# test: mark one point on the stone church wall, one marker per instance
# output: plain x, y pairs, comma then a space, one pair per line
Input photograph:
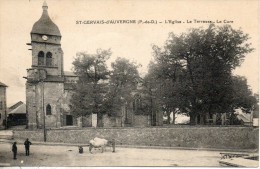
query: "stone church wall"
87, 121
54, 91
109, 121
190, 137
55, 69
141, 121
31, 105
159, 119
34, 101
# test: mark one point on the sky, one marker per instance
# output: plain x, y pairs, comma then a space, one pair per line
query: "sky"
133, 41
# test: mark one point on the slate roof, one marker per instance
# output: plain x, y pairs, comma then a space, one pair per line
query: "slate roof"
21, 109
16, 105
45, 25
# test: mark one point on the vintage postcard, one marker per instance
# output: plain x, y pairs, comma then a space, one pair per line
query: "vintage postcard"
129, 83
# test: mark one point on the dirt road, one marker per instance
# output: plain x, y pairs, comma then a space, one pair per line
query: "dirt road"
45, 155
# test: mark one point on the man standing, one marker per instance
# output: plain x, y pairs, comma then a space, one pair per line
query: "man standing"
114, 145
14, 150
27, 144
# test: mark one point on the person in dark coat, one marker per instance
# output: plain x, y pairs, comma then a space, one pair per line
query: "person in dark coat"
14, 150
80, 149
27, 144
113, 143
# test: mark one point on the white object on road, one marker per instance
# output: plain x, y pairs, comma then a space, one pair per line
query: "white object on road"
98, 143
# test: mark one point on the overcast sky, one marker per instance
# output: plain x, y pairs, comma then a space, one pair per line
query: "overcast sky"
132, 41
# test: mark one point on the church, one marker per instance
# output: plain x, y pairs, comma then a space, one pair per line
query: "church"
48, 86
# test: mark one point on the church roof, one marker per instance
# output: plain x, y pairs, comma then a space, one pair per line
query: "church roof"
67, 73
45, 25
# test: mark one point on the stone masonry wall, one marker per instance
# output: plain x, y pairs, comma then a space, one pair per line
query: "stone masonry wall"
53, 92
31, 102
3, 103
141, 121
57, 56
196, 137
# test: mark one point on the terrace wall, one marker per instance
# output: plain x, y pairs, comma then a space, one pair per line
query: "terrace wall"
195, 137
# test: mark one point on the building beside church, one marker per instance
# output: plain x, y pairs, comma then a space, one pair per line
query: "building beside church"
17, 114
48, 86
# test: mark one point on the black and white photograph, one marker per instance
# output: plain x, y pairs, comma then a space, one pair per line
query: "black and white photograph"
128, 83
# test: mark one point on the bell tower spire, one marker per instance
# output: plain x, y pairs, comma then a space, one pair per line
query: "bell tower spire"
45, 6
46, 47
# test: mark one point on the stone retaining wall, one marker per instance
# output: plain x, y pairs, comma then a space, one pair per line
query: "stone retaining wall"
196, 137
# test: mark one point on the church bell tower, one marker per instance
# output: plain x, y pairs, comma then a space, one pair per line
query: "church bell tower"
46, 47
45, 78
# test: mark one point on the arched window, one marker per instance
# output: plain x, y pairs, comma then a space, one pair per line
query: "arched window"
41, 58
137, 103
49, 59
48, 109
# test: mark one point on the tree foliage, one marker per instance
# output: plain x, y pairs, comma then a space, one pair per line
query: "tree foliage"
198, 66
242, 97
124, 79
91, 88
191, 73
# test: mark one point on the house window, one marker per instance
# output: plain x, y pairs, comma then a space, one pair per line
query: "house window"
41, 58
48, 109
1, 105
49, 59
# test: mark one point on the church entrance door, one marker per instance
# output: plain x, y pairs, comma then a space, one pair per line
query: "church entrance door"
69, 120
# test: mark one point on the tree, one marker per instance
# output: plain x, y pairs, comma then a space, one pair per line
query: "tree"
242, 96
164, 80
123, 81
91, 89
149, 90
206, 57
